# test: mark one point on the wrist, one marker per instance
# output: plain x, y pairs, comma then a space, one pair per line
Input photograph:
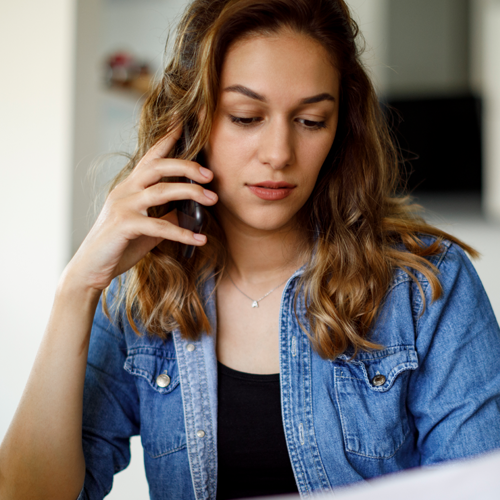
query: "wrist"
71, 285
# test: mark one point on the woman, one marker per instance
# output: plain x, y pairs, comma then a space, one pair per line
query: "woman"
322, 334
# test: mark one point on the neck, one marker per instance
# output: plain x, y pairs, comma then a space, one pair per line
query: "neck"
260, 257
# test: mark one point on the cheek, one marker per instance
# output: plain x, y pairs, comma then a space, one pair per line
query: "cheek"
219, 146
314, 155
227, 154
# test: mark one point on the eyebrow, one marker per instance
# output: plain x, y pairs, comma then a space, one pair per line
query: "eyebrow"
240, 89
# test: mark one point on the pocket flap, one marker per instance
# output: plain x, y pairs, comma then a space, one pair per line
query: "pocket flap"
379, 369
150, 363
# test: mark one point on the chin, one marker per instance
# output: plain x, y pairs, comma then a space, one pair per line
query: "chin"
267, 221
261, 218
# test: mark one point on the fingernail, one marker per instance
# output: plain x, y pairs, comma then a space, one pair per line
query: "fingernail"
199, 237
205, 172
209, 194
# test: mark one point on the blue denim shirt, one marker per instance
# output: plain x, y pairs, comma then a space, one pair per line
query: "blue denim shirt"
432, 394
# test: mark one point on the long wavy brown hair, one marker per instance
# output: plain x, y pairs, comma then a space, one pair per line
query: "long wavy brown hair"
358, 229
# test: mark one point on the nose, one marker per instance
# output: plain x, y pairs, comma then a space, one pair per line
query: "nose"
276, 147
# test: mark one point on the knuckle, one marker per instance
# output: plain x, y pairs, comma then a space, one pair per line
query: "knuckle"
161, 191
154, 164
118, 217
150, 196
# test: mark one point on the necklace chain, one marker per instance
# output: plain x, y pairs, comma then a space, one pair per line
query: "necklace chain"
255, 302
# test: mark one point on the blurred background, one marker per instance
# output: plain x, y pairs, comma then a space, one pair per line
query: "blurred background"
73, 76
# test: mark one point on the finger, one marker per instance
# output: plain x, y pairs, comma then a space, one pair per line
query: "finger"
160, 228
164, 192
159, 168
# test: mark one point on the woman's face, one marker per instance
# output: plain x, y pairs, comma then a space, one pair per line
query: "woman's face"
274, 126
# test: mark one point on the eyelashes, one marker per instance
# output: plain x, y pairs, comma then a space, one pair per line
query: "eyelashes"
249, 122
312, 125
244, 122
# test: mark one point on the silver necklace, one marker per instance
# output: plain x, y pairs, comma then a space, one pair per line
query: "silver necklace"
255, 302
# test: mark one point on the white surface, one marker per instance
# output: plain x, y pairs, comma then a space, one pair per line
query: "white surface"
36, 103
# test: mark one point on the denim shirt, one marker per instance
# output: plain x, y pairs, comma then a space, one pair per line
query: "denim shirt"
431, 394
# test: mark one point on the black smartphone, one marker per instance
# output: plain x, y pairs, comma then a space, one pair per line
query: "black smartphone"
189, 213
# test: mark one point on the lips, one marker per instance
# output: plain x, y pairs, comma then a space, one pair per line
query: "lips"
273, 185
271, 191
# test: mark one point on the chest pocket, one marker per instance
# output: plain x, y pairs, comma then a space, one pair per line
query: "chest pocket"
158, 385
371, 394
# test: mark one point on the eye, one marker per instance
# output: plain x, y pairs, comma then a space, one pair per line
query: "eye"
244, 122
312, 125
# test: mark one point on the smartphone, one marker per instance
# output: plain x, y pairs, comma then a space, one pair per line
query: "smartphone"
189, 213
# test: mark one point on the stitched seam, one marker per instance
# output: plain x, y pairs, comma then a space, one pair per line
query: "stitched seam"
298, 471
313, 445
350, 378
109, 330
390, 378
148, 376
188, 417
343, 424
342, 420
151, 351
401, 280
381, 457
391, 353
297, 454
425, 283
167, 452
374, 356
206, 404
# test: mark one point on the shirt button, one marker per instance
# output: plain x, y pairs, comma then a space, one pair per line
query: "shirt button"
378, 380
190, 347
200, 433
163, 380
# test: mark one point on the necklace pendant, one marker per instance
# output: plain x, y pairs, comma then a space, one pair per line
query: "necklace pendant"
255, 304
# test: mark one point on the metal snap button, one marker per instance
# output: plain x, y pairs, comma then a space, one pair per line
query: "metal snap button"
163, 380
190, 347
200, 433
378, 380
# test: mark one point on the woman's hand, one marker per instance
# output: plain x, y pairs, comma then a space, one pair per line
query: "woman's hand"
123, 233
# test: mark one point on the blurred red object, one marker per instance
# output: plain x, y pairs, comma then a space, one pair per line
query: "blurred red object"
125, 70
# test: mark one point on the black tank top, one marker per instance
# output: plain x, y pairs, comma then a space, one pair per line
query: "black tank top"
253, 457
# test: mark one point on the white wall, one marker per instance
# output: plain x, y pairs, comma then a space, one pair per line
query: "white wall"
36, 93
486, 77
106, 119
428, 47
372, 17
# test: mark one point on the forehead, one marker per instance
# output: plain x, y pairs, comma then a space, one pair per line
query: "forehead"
285, 63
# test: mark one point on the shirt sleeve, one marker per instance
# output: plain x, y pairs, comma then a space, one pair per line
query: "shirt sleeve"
110, 407
455, 392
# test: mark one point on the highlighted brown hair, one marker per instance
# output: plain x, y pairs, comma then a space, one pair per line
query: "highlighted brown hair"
362, 230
